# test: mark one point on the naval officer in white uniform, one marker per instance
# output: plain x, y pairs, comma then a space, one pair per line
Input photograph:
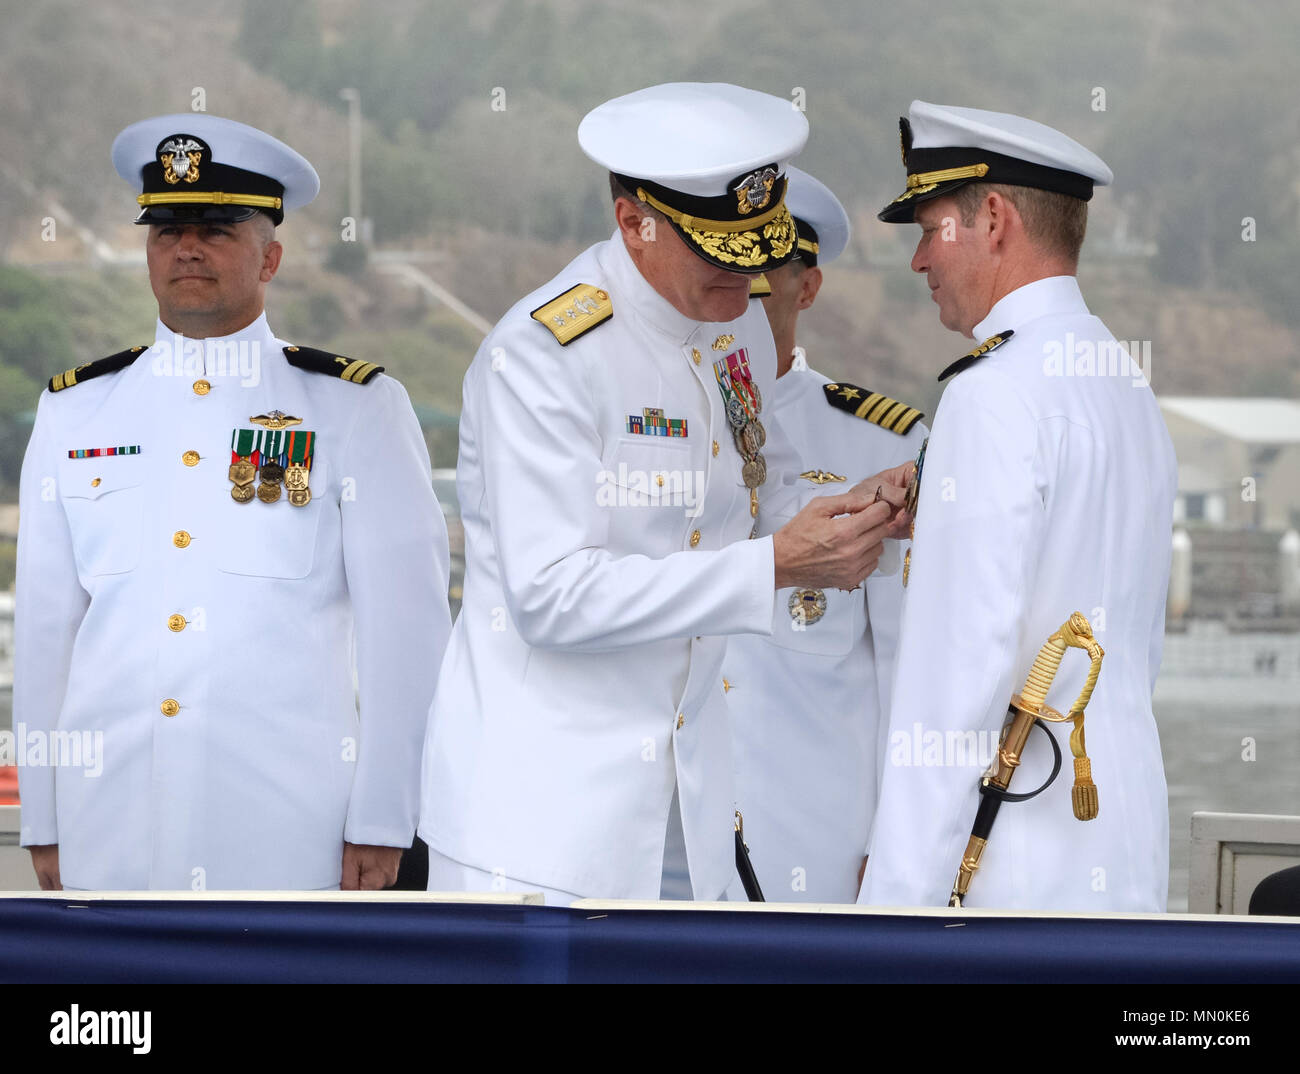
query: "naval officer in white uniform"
809, 701
1047, 489
612, 472
215, 531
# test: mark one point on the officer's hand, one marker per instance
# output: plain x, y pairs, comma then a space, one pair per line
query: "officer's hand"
890, 486
45, 860
369, 868
835, 541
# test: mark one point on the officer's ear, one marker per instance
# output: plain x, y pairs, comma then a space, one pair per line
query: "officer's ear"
271, 255
997, 219
637, 223
810, 282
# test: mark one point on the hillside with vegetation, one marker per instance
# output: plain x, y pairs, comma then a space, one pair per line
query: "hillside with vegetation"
472, 173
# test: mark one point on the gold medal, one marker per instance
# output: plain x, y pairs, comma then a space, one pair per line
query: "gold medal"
754, 472
807, 605
272, 471
296, 477
242, 493
300, 497
750, 438
242, 472
268, 492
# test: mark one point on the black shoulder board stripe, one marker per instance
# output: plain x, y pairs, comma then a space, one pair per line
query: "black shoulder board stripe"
873, 407
332, 365
577, 311
970, 358
112, 364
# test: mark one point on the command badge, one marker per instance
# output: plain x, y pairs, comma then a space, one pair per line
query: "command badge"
807, 605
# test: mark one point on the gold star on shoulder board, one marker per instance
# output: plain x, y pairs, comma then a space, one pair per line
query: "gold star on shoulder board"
849, 393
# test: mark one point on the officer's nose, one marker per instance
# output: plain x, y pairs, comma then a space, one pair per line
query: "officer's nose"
920, 262
189, 247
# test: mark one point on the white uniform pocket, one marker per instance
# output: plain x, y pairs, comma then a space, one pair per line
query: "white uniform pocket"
839, 626
103, 499
654, 471
275, 540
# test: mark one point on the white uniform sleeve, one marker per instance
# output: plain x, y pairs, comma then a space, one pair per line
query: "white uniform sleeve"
978, 535
535, 418
396, 559
49, 607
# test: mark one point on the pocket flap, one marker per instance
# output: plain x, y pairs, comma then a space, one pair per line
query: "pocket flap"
90, 479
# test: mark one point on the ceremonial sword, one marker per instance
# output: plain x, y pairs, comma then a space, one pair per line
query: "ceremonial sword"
1026, 711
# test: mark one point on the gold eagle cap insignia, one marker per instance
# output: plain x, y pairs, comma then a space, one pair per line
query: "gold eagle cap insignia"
755, 190
180, 157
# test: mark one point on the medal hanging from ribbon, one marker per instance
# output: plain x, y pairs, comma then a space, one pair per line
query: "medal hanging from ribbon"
743, 403
299, 445
272, 469
245, 456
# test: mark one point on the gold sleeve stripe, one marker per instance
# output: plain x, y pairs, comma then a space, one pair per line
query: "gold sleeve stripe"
893, 414
357, 371
905, 421
888, 413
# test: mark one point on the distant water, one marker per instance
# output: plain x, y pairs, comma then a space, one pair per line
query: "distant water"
1215, 690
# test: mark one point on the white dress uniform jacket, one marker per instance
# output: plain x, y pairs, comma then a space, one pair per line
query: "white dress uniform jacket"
1048, 488
808, 703
265, 768
584, 675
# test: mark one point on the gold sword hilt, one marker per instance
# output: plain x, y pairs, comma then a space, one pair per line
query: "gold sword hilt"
1075, 633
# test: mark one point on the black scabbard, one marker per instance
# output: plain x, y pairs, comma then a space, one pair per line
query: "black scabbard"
746, 870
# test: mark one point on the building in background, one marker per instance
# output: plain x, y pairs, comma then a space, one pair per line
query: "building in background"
1238, 461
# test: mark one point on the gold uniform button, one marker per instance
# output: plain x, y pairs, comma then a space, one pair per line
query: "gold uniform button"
176, 622
726, 686
695, 539
170, 707
681, 719
696, 356
181, 539
190, 458
202, 387
95, 484
660, 479
715, 449
294, 350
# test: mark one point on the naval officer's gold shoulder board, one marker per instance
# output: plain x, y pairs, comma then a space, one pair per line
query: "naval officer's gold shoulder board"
873, 407
578, 310
971, 357
112, 364
332, 365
